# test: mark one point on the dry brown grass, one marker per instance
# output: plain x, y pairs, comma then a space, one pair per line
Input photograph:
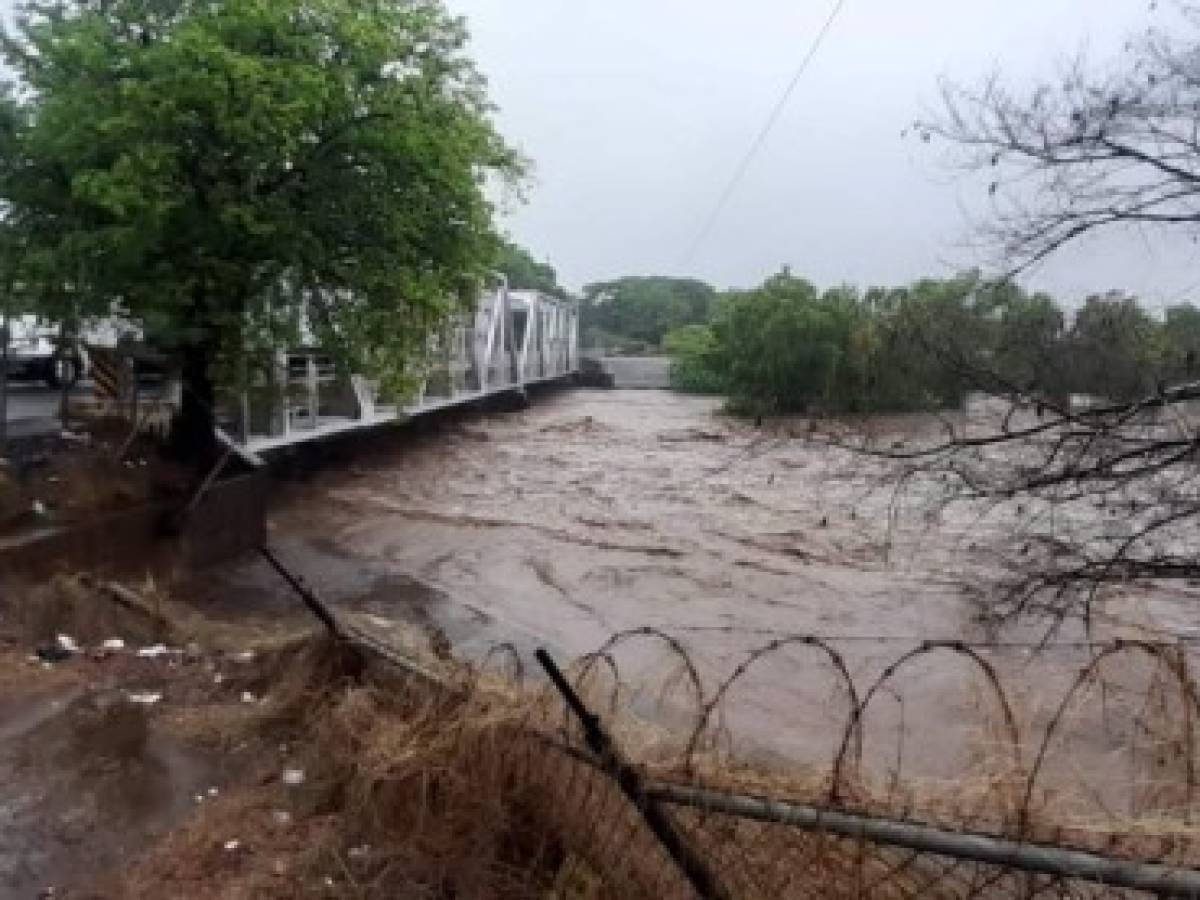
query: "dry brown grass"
466, 793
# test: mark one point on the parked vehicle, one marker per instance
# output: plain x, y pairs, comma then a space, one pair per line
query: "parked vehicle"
37, 353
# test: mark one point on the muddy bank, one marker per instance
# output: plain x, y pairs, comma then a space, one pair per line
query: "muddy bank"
596, 512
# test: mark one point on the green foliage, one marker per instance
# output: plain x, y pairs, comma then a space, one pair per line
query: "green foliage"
1180, 345
1114, 349
696, 364
787, 347
213, 168
642, 310
526, 273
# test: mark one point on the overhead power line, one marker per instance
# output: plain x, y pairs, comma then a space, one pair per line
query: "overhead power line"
761, 139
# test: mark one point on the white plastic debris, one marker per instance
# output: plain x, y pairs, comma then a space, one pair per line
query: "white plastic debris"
153, 652
293, 777
245, 656
359, 852
218, 678
282, 817
147, 698
38, 507
231, 846
74, 436
248, 697
68, 643
199, 798
113, 644
212, 791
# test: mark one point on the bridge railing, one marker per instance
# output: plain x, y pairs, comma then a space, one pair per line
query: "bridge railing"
511, 339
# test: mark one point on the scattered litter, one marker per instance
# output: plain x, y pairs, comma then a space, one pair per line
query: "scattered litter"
153, 651
199, 798
293, 777
329, 882
248, 697
148, 698
52, 653
53, 479
359, 852
218, 678
279, 868
379, 621
245, 656
231, 846
38, 507
212, 791
113, 644
68, 643
74, 436
282, 817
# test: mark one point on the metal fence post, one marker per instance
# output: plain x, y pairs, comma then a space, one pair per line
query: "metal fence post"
630, 782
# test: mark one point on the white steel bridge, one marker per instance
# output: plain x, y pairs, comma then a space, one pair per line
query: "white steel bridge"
512, 340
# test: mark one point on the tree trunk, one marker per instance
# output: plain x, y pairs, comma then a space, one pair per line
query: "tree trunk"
5, 337
193, 436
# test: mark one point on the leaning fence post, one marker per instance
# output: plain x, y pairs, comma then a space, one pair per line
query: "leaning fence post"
630, 783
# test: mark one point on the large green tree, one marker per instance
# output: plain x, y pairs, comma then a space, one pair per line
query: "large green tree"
524, 273
643, 309
217, 169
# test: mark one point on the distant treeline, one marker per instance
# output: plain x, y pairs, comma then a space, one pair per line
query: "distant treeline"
788, 347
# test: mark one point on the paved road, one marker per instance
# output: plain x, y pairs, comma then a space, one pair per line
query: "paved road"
33, 409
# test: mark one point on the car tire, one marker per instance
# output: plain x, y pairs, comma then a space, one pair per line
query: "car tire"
63, 370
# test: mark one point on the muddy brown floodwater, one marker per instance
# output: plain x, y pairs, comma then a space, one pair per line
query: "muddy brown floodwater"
594, 512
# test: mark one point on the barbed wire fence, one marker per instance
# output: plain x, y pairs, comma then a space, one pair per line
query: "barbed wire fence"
675, 810
630, 772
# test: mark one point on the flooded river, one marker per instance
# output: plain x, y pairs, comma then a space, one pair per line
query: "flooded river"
594, 512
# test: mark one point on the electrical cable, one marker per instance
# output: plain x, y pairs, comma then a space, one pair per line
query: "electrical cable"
763, 134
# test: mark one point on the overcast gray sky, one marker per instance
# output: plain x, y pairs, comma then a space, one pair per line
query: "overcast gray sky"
636, 113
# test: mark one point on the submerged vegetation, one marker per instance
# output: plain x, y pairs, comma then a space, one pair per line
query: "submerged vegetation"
787, 346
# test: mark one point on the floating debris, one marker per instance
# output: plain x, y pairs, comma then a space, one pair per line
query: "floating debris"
293, 777
154, 651
52, 653
68, 643
113, 644
146, 698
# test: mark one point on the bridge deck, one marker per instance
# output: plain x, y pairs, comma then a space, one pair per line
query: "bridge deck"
512, 339
331, 426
